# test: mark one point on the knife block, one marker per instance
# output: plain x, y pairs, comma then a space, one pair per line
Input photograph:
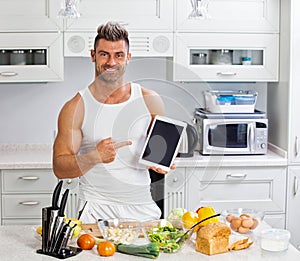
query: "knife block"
63, 253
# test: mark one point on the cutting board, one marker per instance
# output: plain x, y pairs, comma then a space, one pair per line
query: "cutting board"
94, 230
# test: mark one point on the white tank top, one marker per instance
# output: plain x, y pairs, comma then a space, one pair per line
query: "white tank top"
123, 181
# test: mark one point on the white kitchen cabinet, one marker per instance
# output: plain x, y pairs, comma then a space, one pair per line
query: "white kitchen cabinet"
293, 203
30, 16
242, 16
260, 188
136, 15
174, 191
142, 44
263, 49
294, 79
24, 193
31, 57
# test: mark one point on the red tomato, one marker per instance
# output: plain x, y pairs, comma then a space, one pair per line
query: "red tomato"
106, 248
86, 241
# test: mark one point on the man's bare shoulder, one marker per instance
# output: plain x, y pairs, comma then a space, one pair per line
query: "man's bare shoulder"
74, 104
148, 92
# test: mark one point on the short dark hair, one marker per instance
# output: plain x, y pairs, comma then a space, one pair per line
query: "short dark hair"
111, 31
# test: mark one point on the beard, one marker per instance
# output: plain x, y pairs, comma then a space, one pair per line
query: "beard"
110, 76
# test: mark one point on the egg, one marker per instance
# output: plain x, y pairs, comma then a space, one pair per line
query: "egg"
243, 230
244, 216
235, 223
247, 222
229, 218
255, 223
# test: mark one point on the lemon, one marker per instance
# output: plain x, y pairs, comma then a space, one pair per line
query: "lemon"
39, 230
77, 228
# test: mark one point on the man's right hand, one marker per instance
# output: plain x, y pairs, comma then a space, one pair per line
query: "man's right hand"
106, 149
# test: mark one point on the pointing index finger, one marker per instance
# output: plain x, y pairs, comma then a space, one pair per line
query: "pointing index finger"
121, 144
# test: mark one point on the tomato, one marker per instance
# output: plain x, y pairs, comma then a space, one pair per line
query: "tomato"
86, 241
106, 248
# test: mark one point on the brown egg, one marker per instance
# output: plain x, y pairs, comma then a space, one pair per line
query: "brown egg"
243, 230
243, 216
229, 218
235, 223
255, 223
247, 222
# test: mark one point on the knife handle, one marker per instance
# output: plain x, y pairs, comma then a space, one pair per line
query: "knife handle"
56, 194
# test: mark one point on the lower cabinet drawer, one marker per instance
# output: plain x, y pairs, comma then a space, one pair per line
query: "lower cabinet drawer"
24, 205
22, 221
260, 188
28, 181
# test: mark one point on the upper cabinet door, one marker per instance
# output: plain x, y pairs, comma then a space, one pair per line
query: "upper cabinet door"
136, 15
226, 57
257, 16
31, 57
30, 15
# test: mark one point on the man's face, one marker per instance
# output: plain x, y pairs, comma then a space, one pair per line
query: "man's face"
110, 60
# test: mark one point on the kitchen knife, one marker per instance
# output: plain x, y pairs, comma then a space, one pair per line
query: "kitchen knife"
54, 212
60, 219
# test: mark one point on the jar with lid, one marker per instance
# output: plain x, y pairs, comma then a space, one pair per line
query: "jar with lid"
199, 58
29, 57
222, 56
39, 57
4, 57
18, 57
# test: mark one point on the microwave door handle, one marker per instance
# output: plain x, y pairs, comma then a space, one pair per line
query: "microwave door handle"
251, 137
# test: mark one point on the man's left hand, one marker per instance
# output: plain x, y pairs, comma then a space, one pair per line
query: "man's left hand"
161, 171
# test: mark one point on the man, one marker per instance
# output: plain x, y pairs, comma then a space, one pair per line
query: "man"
101, 132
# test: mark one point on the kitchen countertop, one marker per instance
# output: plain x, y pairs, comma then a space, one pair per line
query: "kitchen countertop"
21, 242
21, 156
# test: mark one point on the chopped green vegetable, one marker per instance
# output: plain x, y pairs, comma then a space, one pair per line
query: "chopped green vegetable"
150, 250
166, 238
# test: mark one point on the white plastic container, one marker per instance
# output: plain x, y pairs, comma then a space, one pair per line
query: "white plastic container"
275, 239
230, 101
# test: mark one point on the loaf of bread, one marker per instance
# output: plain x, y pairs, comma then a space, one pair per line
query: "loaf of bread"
213, 239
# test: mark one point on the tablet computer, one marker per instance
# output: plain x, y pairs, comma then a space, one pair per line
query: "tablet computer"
162, 142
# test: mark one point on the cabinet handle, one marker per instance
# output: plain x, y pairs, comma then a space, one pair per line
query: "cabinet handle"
158, 8
226, 73
29, 178
8, 74
29, 203
297, 146
295, 186
236, 176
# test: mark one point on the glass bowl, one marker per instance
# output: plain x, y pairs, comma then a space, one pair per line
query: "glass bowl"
120, 230
165, 234
242, 221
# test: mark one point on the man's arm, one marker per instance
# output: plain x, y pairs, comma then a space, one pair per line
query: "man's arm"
66, 161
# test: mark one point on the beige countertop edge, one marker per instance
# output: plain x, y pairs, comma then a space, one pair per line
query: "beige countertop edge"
27, 156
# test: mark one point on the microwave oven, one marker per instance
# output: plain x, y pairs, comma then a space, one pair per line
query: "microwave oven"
232, 136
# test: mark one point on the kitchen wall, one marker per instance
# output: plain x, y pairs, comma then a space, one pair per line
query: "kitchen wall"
28, 112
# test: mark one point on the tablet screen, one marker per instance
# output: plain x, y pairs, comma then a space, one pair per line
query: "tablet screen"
163, 142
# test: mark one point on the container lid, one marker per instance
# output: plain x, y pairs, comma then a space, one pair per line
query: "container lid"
276, 234
246, 58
